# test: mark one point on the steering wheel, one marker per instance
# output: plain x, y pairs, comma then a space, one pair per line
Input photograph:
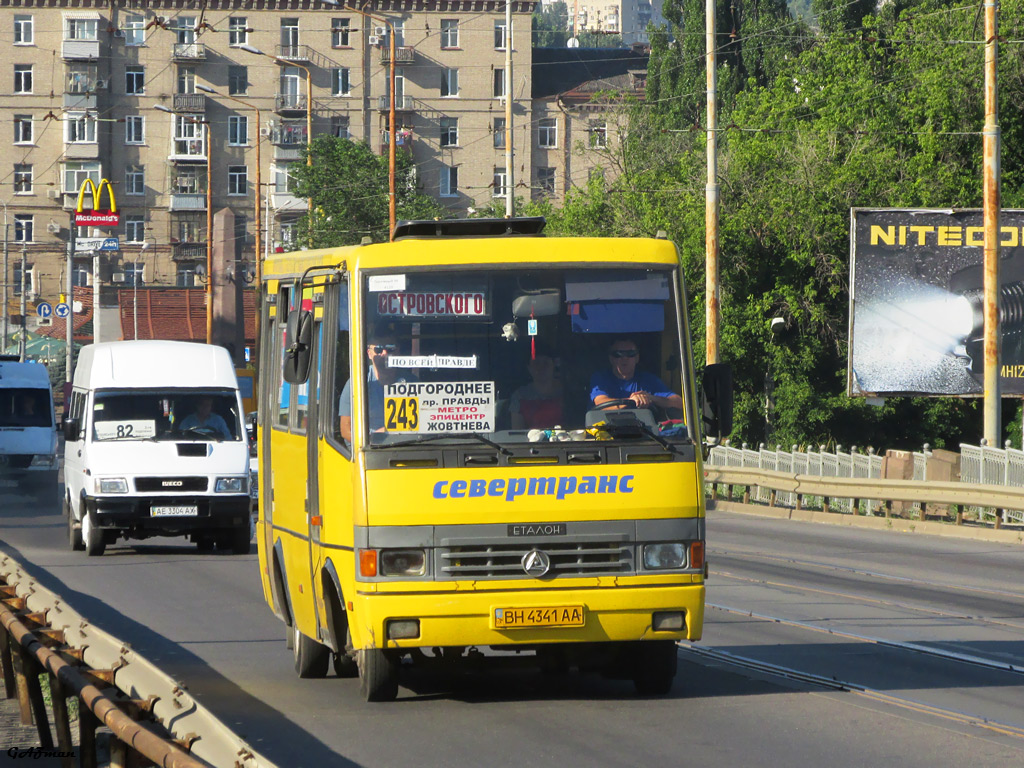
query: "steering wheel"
618, 402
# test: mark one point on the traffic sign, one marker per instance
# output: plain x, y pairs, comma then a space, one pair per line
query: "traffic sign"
44, 309
110, 244
62, 309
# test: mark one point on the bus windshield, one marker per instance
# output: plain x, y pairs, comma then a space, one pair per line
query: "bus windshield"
25, 407
530, 354
172, 414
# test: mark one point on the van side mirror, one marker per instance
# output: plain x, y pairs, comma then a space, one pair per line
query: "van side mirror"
298, 352
717, 406
72, 429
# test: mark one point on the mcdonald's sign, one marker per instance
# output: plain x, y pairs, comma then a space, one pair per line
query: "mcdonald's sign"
96, 216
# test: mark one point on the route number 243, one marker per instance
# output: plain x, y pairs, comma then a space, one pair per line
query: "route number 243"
401, 414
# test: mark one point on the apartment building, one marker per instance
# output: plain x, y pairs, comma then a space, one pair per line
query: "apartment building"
626, 18
192, 107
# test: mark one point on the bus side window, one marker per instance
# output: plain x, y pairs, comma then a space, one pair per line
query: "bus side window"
341, 407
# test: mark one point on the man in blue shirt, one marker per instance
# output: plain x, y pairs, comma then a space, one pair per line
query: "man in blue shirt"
204, 419
380, 346
624, 382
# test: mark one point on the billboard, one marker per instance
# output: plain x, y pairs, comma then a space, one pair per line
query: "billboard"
916, 302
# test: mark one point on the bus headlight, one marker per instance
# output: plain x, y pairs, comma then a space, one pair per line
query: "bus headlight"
113, 485
230, 485
663, 556
403, 562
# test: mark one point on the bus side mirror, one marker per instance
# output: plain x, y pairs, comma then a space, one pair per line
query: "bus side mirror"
298, 353
72, 429
717, 407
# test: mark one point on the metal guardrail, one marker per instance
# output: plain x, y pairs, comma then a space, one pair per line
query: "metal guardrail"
147, 712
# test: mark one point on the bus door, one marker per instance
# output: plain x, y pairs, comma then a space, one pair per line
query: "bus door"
313, 516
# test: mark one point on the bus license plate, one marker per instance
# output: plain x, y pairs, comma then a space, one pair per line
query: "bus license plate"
550, 616
176, 510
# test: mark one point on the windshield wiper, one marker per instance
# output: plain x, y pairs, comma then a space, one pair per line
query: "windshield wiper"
430, 438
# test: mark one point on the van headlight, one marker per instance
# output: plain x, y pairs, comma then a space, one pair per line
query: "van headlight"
230, 485
662, 556
43, 460
113, 485
403, 562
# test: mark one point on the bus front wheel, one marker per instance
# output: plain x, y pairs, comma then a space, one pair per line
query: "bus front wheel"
378, 675
654, 667
311, 658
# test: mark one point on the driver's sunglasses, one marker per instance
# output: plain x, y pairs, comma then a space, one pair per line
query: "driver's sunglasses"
623, 353
378, 348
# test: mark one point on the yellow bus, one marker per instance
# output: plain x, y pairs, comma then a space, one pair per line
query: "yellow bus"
479, 437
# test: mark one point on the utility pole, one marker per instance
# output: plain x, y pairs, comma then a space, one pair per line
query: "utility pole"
21, 345
69, 284
712, 309
96, 282
990, 195
509, 159
4, 280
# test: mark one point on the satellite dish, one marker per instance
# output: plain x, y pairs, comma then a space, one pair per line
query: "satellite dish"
572, 42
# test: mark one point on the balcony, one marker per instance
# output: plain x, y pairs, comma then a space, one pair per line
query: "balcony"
289, 102
295, 53
189, 102
82, 150
187, 201
188, 150
404, 54
404, 141
188, 52
285, 202
80, 50
80, 101
288, 135
188, 252
402, 103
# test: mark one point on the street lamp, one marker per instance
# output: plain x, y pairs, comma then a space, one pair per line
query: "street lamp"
209, 217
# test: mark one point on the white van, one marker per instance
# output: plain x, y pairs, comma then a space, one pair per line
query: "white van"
154, 446
28, 432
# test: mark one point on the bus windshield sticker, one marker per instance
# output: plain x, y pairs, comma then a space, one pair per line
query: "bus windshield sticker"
431, 361
439, 407
386, 283
125, 430
433, 304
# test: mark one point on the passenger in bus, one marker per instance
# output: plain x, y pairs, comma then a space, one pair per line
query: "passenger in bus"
204, 419
622, 380
538, 405
380, 345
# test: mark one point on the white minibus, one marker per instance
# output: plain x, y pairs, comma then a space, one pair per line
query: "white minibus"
28, 433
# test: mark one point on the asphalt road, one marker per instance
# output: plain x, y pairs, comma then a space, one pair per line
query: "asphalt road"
803, 597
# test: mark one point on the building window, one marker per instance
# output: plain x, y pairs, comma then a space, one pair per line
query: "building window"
135, 229
449, 33
449, 181
134, 29
134, 80
186, 277
23, 30
499, 35
22, 179
80, 274
238, 80
134, 180
189, 136
340, 85
339, 33
135, 129
283, 182
184, 30
133, 272
189, 229
499, 83
79, 128
449, 131
23, 129
186, 80
23, 279
499, 187
81, 29
546, 180
598, 131
24, 225
449, 82
238, 33
499, 132
238, 130
288, 230
75, 174
547, 133
238, 180
289, 37
187, 181
23, 78
339, 126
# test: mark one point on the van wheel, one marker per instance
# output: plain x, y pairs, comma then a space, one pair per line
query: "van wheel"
74, 532
311, 658
92, 536
654, 667
378, 675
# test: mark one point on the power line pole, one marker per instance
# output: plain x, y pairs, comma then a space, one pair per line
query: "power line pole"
4, 281
21, 344
712, 308
509, 159
990, 195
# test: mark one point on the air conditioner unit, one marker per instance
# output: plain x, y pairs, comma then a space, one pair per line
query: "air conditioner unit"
266, 130
53, 194
53, 228
379, 31
101, 85
118, 33
374, 40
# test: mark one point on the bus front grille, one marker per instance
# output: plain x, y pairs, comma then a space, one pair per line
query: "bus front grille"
505, 560
171, 484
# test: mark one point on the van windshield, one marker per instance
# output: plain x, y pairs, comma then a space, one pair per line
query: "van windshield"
174, 414
28, 407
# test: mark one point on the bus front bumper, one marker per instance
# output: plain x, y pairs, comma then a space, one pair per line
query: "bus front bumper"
467, 618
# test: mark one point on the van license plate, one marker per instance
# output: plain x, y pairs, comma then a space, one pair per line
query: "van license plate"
551, 616
176, 510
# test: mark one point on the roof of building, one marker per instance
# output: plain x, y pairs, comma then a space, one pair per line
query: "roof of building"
557, 70
178, 314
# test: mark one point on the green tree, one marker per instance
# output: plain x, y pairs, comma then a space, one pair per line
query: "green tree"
550, 25
348, 187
